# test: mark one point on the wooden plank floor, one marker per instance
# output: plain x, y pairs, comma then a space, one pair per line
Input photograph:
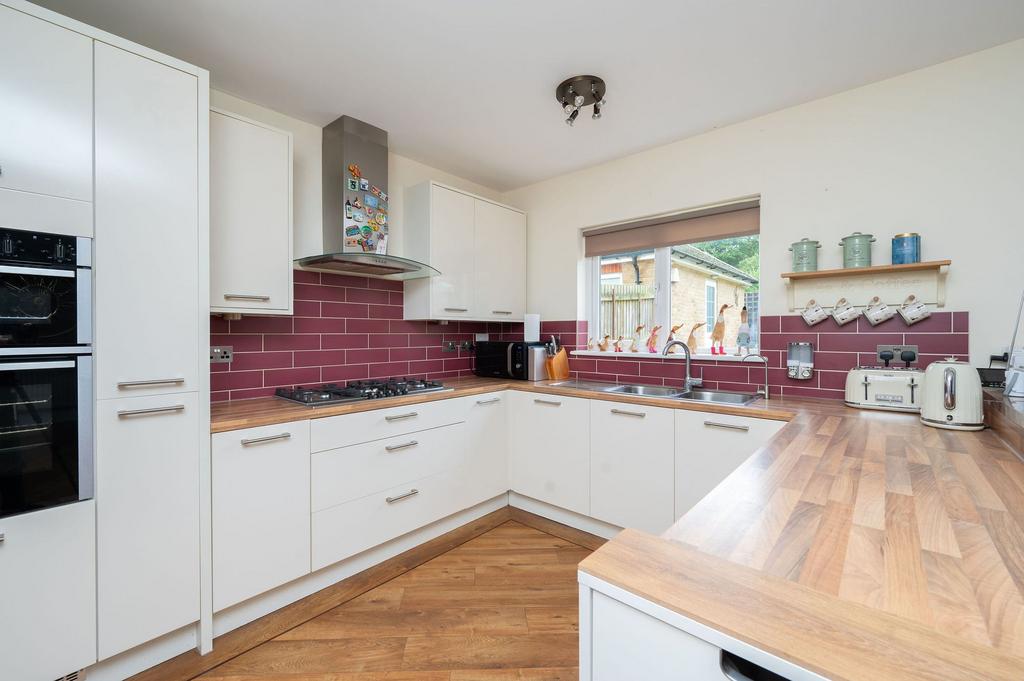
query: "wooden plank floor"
501, 607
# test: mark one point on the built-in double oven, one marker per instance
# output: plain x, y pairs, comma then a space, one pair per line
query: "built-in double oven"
46, 376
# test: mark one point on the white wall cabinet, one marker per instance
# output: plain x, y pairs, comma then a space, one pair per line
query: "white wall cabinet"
147, 251
46, 125
632, 465
711, 446
549, 449
48, 592
250, 216
260, 510
147, 515
478, 246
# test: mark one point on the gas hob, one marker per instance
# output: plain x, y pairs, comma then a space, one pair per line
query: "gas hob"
357, 391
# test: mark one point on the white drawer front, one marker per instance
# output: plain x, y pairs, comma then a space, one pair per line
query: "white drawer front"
347, 529
350, 429
347, 473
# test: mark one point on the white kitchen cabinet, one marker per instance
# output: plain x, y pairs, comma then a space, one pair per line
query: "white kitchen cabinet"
632, 465
147, 248
486, 446
711, 446
499, 255
46, 125
147, 518
261, 510
48, 592
250, 216
549, 449
376, 424
479, 248
626, 643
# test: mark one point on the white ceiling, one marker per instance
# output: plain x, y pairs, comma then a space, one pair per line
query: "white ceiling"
468, 86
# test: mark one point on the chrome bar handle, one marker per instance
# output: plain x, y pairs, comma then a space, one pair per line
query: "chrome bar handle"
551, 402
152, 410
490, 401
3, 536
269, 438
949, 389
243, 296
727, 426
410, 493
399, 417
157, 381
395, 448
501, 311
623, 412
37, 271
456, 309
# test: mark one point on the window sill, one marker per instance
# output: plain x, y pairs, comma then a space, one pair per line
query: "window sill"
626, 354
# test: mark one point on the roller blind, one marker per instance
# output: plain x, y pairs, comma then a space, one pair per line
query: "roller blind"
720, 222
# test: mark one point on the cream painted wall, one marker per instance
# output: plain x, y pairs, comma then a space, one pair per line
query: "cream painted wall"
939, 151
307, 189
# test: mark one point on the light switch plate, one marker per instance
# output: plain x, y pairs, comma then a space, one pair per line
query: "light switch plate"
221, 354
895, 350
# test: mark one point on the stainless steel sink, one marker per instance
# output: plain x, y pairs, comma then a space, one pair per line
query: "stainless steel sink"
717, 396
645, 391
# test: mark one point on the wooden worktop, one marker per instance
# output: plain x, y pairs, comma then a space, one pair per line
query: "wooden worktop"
265, 411
859, 545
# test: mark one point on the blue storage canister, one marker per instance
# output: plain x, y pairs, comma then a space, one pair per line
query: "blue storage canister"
906, 248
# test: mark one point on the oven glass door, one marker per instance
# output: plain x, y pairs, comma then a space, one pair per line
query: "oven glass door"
39, 306
45, 456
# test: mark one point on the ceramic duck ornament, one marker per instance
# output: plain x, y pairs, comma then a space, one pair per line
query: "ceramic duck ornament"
634, 345
618, 344
603, 345
672, 337
652, 340
718, 332
691, 341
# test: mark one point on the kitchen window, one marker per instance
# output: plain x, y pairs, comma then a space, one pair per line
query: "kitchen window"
682, 285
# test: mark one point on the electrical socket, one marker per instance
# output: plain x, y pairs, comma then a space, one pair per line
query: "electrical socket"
221, 354
895, 350
449, 346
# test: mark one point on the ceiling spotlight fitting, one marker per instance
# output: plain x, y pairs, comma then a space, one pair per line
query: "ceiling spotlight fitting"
580, 91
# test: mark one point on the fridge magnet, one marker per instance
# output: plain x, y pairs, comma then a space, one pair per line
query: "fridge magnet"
384, 197
357, 204
652, 340
352, 184
691, 340
348, 208
743, 337
370, 200
352, 231
369, 213
634, 342
375, 190
364, 184
603, 345
359, 216
382, 245
718, 332
354, 171
382, 218
366, 231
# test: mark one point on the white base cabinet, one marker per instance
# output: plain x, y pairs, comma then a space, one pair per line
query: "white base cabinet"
632, 465
261, 507
486, 449
48, 592
709, 447
147, 514
549, 449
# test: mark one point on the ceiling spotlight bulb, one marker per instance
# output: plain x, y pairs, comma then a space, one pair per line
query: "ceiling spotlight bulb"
597, 111
571, 120
567, 107
579, 100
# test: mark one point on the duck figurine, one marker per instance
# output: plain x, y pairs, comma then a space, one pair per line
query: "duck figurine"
672, 337
618, 345
634, 344
603, 345
718, 332
652, 340
590, 343
691, 342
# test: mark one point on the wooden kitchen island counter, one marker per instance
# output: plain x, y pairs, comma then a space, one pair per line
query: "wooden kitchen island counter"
858, 545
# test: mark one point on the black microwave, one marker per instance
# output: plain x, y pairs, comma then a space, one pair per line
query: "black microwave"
511, 359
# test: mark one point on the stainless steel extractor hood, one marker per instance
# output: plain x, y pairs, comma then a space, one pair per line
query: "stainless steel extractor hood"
356, 219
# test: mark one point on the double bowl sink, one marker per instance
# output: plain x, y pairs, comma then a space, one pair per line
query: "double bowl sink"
664, 392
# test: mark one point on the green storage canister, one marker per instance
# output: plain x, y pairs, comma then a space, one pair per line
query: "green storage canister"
857, 250
805, 255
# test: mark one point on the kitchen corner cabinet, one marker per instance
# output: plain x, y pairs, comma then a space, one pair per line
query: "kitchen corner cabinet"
46, 125
260, 510
478, 246
632, 465
549, 449
709, 447
250, 216
147, 226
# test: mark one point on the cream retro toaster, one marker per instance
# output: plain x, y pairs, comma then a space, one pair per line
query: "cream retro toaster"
892, 389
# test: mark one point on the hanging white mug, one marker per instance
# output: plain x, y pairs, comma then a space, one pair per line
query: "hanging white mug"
913, 310
814, 313
878, 312
844, 313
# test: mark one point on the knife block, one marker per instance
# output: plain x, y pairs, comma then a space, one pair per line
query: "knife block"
558, 366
